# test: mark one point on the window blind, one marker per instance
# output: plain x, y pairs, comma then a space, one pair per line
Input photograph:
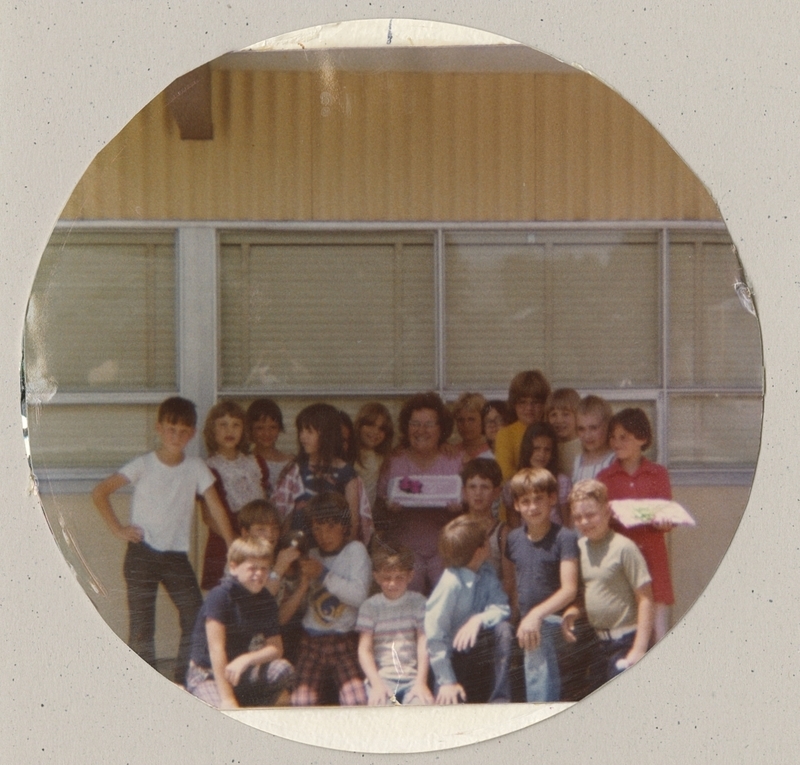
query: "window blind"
581, 306
102, 313
353, 312
715, 341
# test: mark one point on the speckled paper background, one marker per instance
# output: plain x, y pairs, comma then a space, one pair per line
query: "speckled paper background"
720, 83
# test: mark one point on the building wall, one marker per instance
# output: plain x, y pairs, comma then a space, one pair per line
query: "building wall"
390, 146
696, 552
299, 145
96, 558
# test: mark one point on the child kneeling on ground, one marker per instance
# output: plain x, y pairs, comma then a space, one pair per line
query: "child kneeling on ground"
466, 620
236, 657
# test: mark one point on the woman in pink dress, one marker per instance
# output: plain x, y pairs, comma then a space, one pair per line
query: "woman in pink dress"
425, 425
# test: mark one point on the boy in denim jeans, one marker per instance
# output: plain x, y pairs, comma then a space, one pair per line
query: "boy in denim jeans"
466, 620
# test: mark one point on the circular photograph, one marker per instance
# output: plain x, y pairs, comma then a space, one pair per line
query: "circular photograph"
395, 365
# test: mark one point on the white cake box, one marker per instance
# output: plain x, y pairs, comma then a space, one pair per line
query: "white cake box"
425, 490
640, 512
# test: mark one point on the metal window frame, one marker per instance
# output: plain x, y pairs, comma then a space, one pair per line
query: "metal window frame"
197, 316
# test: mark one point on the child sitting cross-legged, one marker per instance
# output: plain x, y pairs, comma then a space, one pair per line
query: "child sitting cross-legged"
618, 597
466, 620
392, 649
236, 657
340, 570
291, 572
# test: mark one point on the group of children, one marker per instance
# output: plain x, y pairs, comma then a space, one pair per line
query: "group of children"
525, 609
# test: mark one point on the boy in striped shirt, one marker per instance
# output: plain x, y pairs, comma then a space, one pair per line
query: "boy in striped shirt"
392, 649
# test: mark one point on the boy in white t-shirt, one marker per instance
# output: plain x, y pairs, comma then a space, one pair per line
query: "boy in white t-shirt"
165, 485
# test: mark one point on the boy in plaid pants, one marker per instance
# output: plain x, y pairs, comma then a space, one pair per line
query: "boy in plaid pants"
329, 646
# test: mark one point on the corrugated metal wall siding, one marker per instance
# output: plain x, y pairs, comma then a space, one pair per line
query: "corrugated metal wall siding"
327, 145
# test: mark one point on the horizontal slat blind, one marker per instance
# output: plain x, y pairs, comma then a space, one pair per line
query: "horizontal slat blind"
495, 308
604, 308
715, 341
313, 312
714, 431
86, 436
102, 314
583, 307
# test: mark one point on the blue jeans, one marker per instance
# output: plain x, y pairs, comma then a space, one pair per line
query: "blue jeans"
483, 669
542, 678
611, 651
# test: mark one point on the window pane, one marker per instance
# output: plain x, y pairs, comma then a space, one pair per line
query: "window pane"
323, 311
714, 431
495, 308
67, 436
714, 340
581, 306
102, 314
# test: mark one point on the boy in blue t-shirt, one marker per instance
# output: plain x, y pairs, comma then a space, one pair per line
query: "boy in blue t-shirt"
466, 620
237, 651
545, 557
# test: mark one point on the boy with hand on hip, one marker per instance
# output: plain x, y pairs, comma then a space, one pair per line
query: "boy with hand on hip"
237, 650
545, 559
166, 484
392, 648
618, 597
466, 620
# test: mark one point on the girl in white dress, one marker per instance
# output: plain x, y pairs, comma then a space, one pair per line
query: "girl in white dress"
240, 478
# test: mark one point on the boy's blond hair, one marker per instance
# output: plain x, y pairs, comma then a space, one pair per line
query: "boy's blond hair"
241, 549
562, 398
590, 488
595, 405
460, 540
532, 481
392, 558
471, 402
